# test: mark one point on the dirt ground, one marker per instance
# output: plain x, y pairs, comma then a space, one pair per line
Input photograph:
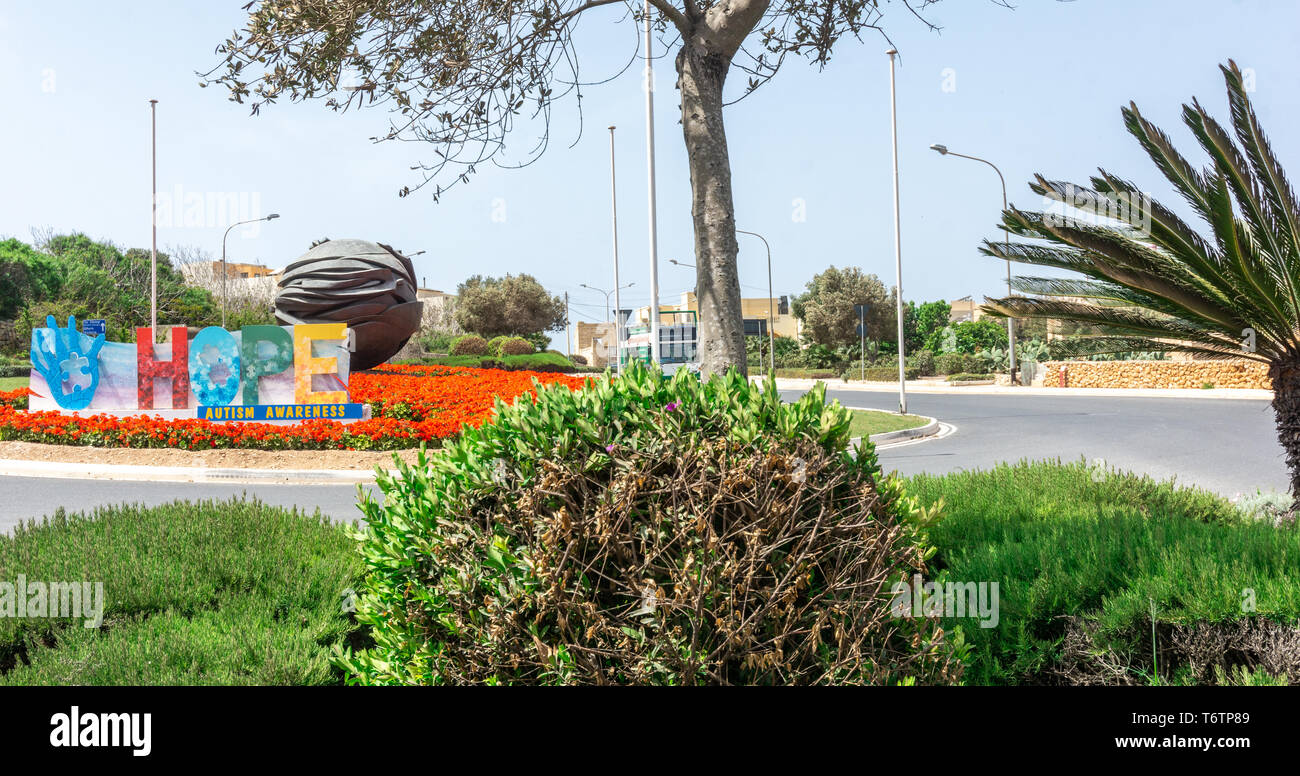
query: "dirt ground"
214, 459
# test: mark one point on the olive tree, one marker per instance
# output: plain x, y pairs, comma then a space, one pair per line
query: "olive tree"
516, 305
460, 74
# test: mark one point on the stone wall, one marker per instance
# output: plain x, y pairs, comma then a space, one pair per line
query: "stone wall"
10, 339
1235, 373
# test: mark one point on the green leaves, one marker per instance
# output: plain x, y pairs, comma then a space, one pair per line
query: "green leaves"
1155, 283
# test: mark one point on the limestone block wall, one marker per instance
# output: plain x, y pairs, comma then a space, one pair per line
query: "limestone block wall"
1229, 373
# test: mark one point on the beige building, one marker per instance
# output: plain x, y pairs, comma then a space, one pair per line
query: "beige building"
964, 309
754, 310
236, 270
595, 343
439, 309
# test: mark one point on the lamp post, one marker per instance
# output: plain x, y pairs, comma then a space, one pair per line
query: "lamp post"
618, 304
898, 237
771, 315
650, 164
153, 250
1011, 323
224, 273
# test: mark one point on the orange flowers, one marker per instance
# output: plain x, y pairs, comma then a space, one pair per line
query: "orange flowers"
409, 404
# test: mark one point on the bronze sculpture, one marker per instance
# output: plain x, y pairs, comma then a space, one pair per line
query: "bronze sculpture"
369, 286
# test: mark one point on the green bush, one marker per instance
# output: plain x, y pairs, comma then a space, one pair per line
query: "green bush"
961, 377
436, 341
885, 374
232, 592
644, 530
957, 363
538, 362
807, 374
922, 361
516, 346
532, 362
469, 345
1084, 556
579, 360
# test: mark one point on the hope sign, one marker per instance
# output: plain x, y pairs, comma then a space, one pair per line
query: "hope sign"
217, 368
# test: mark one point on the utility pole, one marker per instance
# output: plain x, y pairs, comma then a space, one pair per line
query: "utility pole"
862, 346
568, 333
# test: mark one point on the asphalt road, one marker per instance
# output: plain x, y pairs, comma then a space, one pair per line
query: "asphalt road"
1224, 445
1227, 446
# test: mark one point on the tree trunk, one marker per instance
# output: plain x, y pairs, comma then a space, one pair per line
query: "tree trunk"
702, 72
1286, 409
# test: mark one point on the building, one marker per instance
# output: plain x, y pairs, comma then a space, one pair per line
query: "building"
595, 342
237, 270
964, 309
755, 312
439, 309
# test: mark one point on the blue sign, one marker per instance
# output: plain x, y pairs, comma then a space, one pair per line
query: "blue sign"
349, 411
93, 327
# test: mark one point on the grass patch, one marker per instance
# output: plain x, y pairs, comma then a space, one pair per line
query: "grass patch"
233, 592
1083, 557
868, 422
13, 383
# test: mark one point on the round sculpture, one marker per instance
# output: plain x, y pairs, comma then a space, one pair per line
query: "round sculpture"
368, 286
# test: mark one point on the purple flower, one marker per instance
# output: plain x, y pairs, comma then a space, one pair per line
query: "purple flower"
610, 448
672, 406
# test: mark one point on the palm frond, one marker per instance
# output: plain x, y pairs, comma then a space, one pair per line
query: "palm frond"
1149, 280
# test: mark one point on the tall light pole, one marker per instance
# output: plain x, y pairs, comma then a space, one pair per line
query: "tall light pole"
771, 316
153, 251
225, 275
650, 164
618, 304
1011, 323
607, 293
898, 237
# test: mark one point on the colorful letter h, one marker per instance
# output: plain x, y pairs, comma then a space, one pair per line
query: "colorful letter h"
148, 368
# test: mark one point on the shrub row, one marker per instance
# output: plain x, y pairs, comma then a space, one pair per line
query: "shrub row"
232, 592
1095, 565
885, 374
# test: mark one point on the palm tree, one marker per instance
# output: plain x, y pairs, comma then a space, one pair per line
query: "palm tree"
1151, 282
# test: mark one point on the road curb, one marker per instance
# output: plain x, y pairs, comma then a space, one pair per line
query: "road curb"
929, 429
197, 474
920, 387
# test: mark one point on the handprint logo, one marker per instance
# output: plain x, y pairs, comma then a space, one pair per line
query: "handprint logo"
71, 374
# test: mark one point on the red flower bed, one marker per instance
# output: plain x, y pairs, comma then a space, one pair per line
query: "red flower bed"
410, 405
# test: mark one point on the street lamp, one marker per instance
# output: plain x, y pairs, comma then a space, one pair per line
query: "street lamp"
681, 263
224, 273
607, 293
1011, 322
771, 316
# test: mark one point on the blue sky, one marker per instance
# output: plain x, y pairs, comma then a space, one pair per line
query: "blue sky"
1037, 89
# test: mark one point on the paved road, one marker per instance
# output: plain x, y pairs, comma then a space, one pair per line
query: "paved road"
1224, 445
